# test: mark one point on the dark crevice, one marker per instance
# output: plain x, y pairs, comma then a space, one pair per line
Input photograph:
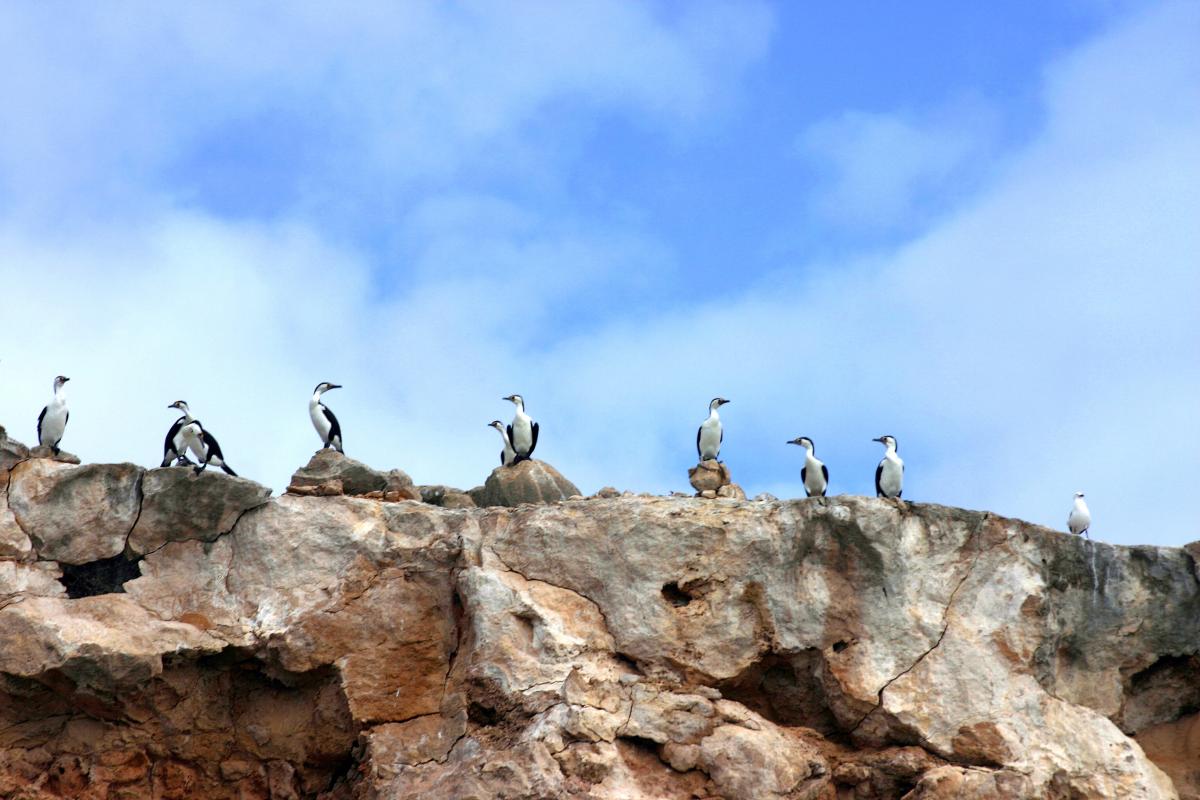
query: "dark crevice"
106, 576
676, 596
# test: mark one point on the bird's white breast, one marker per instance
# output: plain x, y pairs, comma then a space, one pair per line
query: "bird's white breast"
814, 476
522, 432
319, 420
55, 421
710, 437
892, 478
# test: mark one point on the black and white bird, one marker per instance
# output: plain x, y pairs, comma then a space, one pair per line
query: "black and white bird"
813, 474
710, 434
52, 422
508, 456
1080, 519
323, 419
523, 432
889, 475
205, 446
175, 446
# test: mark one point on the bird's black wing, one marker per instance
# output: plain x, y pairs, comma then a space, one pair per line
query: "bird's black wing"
502, 458
804, 477
534, 443
169, 443
510, 438
825, 472
210, 444
41, 417
698, 432
878, 475
334, 428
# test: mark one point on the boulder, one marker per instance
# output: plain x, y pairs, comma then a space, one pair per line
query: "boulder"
446, 497
177, 504
528, 481
75, 514
329, 468
709, 475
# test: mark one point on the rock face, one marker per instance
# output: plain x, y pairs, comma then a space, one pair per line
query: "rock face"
529, 481
630, 647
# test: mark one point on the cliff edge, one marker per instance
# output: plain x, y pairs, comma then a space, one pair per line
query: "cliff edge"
171, 636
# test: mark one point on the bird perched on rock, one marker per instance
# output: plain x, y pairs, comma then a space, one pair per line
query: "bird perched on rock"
813, 474
205, 446
889, 475
52, 422
1080, 519
175, 446
508, 456
710, 434
323, 419
523, 432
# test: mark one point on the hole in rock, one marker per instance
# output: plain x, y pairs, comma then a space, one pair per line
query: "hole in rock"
641, 744
106, 576
482, 715
676, 596
839, 646
786, 690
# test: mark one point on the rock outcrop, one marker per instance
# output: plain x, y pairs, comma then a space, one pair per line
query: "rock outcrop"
344, 648
528, 481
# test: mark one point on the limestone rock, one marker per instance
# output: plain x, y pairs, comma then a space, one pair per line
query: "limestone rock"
177, 504
343, 648
731, 491
709, 476
75, 514
529, 481
62, 456
328, 466
446, 497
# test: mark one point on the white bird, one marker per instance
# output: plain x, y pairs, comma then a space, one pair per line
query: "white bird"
507, 456
523, 432
175, 446
1080, 519
205, 446
814, 474
52, 422
710, 435
323, 419
889, 475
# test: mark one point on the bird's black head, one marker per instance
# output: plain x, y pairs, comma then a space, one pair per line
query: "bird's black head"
886, 441
325, 386
496, 424
803, 441
717, 402
60, 380
181, 405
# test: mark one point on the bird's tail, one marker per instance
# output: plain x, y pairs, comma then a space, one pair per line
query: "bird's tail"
228, 471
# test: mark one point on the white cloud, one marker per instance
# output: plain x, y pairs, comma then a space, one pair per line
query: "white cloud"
880, 171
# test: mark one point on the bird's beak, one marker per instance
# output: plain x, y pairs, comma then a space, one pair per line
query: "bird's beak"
335, 386
66, 379
880, 440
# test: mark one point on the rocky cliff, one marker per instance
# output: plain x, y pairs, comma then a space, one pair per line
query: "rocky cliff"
168, 636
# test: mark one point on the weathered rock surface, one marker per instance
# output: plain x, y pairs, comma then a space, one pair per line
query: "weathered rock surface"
75, 514
345, 648
329, 467
529, 481
178, 504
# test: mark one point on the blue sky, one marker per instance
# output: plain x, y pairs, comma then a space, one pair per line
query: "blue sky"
968, 225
